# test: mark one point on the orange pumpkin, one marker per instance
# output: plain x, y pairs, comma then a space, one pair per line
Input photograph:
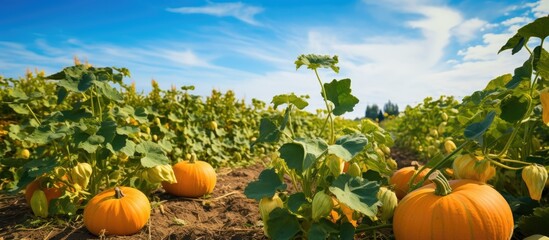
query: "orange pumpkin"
401, 178
460, 209
194, 179
117, 211
51, 192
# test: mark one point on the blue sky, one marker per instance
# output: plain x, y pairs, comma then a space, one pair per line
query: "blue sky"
398, 50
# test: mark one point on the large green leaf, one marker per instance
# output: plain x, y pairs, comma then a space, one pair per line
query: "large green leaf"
348, 146
268, 131
153, 154
475, 130
282, 224
535, 223
299, 102
265, 186
322, 230
339, 93
541, 62
294, 155
514, 107
357, 193
538, 28
92, 143
313, 61
86, 81
296, 200
314, 148
516, 43
107, 130
523, 73
109, 92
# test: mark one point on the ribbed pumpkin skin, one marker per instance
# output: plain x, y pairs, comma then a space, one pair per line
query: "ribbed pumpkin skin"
194, 179
401, 178
124, 216
472, 210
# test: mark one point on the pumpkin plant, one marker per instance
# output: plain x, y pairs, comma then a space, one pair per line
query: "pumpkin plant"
315, 166
117, 211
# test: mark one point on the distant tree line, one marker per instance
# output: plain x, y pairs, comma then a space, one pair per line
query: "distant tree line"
375, 113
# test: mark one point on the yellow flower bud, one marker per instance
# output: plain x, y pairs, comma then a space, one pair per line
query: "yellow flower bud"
266, 206
449, 146
39, 203
161, 173
388, 201
535, 177
469, 166
322, 205
80, 174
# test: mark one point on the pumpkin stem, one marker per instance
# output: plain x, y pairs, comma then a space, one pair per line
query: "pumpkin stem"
442, 185
118, 193
193, 158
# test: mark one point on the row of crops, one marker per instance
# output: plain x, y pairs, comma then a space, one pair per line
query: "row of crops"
81, 142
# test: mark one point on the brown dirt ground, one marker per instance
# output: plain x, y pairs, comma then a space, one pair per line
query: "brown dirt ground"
227, 214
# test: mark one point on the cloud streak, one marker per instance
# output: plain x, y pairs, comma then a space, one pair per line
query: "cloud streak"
238, 10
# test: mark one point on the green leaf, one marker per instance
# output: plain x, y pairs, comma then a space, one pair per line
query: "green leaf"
541, 62
86, 82
313, 61
535, 223
153, 154
513, 108
538, 28
19, 94
268, 131
516, 43
346, 231
61, 95
107, 130
265, 186
313, 148
109, 92
339, 93
322, 230
92, 143
348, 146
302, 154
127, 130
70, 86
289, 99
19, 108
475, 130
357, 193
282, 225
296, 200
523, 73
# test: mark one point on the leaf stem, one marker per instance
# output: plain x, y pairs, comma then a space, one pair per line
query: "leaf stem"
325, 97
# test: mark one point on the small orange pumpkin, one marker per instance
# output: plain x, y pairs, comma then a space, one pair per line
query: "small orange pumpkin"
401, 178
194, 179
459, 209
117, 211
51, 192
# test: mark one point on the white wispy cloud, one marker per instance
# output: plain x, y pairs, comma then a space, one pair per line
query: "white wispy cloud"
238, 10
541, 8
469, 29
516, 20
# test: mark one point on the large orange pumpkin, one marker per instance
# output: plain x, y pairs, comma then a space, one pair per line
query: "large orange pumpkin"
460, 209
117, 211
401, 178
51, 192
194, 179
